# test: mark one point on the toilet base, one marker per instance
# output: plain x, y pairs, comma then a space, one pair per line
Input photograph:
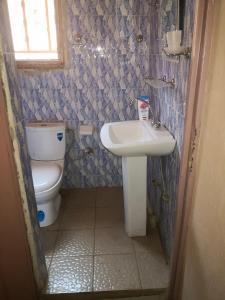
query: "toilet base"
48, 211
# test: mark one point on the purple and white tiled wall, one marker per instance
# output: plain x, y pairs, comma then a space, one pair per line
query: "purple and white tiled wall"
103, 71
169, 105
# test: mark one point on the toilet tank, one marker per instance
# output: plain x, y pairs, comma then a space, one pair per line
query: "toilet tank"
46, 141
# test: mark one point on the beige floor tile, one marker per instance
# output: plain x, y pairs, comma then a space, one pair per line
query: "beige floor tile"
109, 217
70, 275
150, 297
115, 272
79, 198
109, 197
56, 224
81, 218
48, 240
118, 261
148, 244
112, 241
153, 270
75, 243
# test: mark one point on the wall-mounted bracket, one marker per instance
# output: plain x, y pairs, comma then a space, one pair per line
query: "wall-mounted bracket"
181, 51
160, 82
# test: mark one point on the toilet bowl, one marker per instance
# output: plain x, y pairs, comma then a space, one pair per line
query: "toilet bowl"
47, 178
46, 147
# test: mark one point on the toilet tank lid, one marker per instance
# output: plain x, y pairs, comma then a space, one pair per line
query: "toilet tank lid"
45, 175
46, 125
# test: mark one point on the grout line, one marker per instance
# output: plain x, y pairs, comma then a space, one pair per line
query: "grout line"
114, 254
120, 225
93, 253
51, 258
54, 245
77, 256
75, 229
139, 275
56, 239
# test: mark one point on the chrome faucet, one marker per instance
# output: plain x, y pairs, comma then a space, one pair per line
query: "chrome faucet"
155, 123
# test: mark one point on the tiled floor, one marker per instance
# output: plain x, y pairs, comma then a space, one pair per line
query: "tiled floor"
87, 248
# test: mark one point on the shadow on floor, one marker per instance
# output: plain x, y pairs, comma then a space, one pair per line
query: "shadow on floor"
87, 249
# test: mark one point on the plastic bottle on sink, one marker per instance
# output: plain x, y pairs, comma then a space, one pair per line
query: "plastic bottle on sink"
143, 107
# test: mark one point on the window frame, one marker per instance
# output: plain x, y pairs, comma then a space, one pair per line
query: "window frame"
49, 64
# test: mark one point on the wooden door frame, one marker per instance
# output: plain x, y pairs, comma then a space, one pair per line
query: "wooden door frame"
17, 279
16, 273
205, 14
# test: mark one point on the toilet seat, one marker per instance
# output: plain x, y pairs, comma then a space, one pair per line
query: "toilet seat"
45, 175
47, 178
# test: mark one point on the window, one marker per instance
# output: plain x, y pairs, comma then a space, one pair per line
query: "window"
36, 32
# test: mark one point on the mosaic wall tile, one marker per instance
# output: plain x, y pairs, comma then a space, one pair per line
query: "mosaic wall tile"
169, 107
133, 7
104, 72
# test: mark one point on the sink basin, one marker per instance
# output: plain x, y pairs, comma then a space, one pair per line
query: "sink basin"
136, 138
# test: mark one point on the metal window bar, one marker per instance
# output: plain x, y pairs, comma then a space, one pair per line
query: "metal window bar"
37, 51
48, 25
25, 24
26, 30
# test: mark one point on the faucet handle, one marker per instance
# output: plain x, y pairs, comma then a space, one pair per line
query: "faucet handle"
156, 124
131, 101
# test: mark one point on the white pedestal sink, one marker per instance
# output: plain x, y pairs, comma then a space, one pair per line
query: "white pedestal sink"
134, 140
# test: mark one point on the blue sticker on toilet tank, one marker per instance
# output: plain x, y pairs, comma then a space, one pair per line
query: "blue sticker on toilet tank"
60, 136
41, 216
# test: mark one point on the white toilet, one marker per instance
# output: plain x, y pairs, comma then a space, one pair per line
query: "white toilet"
46, 147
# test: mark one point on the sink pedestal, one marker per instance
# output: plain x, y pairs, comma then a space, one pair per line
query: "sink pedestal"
134, 140
135, 194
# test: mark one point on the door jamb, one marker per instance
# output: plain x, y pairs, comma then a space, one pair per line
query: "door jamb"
202, 42
16, 270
